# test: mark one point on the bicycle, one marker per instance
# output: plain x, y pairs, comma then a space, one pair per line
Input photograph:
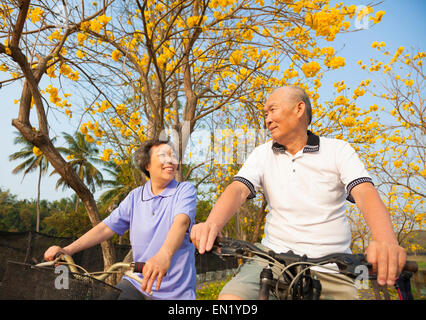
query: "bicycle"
295, 281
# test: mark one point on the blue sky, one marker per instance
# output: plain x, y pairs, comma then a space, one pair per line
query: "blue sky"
402, 25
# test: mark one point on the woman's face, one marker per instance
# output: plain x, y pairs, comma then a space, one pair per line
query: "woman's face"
163, 163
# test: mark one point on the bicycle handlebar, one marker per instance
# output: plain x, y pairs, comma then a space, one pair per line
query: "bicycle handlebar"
129, 268
346, 263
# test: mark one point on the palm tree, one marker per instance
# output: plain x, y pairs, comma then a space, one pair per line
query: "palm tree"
34, 160
82, 157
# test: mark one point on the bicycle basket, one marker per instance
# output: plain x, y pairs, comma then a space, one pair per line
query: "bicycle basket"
26, 282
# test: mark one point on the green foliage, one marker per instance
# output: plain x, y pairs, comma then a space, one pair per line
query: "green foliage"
203, 209
57, 218
82, 157
64, 220
210, 291
19, 215
124, 178
31, 161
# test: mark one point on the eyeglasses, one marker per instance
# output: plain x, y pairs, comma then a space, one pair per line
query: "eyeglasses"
165, 157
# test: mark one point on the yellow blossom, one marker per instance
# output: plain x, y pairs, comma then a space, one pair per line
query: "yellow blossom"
340, 100
348, 122
235, 57
116, 55
397, 163
106, 154
4, 67
37, 152
80, 54
336, 62
121, 109
35, 14
310, 69
378, 17
89, 138
81, 37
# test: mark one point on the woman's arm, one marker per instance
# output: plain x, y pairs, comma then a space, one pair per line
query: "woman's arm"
94, 236
157, 266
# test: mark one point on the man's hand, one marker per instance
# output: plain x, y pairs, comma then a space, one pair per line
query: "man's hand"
203, 236
155, 268
387, 260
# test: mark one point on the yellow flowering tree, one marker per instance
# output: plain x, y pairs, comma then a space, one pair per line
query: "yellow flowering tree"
400, 164
32, 45
181, 63
142, 67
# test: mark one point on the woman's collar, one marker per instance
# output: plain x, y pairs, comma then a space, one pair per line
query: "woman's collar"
170, 190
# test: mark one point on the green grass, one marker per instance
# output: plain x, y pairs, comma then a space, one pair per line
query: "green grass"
421, 261
211, 290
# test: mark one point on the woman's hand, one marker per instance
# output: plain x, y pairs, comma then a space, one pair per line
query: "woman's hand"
51, 253
155, 268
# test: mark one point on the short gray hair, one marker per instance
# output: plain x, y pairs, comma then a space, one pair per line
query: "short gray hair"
301, 95
142, 155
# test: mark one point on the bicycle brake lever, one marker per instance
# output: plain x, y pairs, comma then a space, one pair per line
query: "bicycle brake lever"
349, 264
227, 247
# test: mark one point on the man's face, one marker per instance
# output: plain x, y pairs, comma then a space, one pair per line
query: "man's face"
163, 163
280, 114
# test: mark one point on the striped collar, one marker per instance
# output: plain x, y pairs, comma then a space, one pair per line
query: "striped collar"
311, 146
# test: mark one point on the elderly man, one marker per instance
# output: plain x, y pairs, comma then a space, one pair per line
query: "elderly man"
306, 180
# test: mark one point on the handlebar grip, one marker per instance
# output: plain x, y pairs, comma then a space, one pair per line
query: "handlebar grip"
411, 266
138, 268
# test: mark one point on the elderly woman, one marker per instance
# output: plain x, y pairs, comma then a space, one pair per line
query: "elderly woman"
159, 216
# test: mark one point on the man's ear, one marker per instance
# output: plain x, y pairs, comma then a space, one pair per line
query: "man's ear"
300, 109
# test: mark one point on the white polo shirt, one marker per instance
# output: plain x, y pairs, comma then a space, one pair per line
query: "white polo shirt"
305, 193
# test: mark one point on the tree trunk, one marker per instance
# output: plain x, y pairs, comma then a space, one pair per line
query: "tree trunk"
77, 202
40, 137
38, 199
44, 143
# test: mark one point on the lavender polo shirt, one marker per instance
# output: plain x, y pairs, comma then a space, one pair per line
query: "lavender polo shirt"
149, 218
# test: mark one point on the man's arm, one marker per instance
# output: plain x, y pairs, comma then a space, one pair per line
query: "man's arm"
384, 252
157, 266
204, 234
